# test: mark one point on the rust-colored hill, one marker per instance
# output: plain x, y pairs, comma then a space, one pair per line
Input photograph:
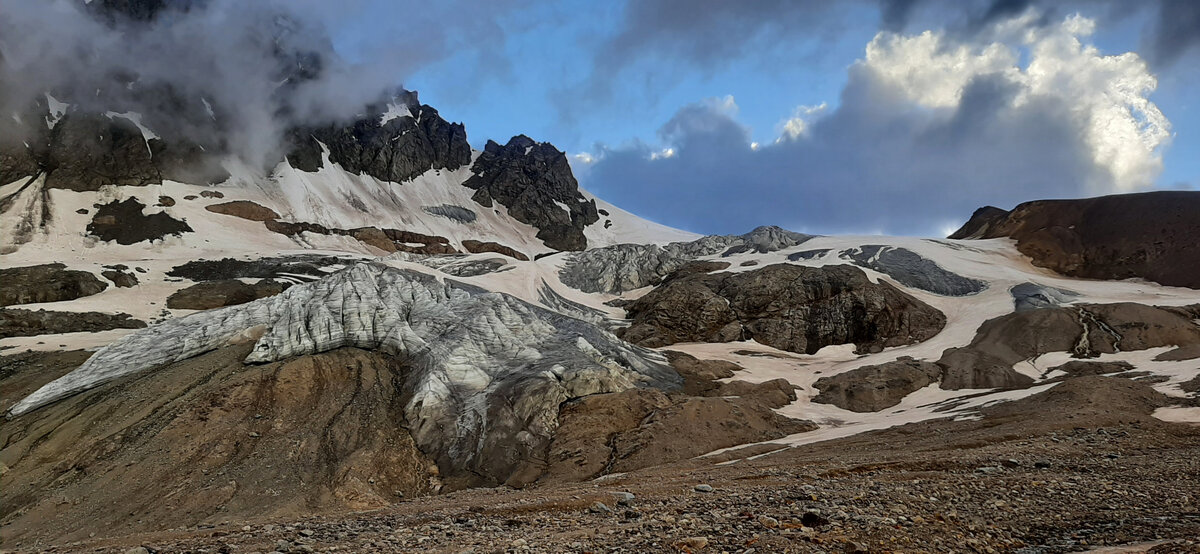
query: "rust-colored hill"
1150, 235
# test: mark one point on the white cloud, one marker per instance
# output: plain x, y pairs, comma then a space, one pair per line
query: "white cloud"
797, 126
1107, 95
663, 154
928, 128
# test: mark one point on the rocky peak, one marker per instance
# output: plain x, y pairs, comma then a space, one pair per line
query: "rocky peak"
395, 141
980, 223
534, 181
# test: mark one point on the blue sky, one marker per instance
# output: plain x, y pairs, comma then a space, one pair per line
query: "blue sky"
605, 79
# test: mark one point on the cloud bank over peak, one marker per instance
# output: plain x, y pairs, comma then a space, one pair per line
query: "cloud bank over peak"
928, 127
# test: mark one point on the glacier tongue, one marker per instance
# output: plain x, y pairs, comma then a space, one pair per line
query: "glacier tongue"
485, 372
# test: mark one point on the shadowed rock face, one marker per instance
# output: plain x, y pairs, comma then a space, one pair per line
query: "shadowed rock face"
532, 179
794, 308
46, 283
1149, 235
125, 223
395, 150
85, 151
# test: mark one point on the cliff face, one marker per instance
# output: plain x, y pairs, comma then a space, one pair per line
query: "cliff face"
400, 141
794, 308
1148, 235
534, 181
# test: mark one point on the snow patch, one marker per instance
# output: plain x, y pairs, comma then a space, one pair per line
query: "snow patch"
57, 111
395, 111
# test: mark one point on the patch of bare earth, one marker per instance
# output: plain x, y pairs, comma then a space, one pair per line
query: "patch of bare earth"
1072, 469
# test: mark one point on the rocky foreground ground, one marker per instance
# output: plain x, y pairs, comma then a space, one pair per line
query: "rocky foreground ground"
1073, 480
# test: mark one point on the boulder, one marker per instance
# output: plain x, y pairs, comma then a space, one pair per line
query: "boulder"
877, 387
120, 277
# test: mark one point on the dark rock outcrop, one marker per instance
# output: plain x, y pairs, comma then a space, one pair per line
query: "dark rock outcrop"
1149, 235
84, 151
87, 152
125, 223
313, 266
120, 277
479, 247
395, 150
244, 209
46, 283
794, 308
388, 240
218, 294
534, 181
28, 323
912, 270
877, 387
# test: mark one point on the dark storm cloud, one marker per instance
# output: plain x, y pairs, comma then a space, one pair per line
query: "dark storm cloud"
709, 34
261, 66
1177, 31
876, 164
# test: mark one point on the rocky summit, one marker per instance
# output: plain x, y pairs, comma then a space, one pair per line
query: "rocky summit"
306, 312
